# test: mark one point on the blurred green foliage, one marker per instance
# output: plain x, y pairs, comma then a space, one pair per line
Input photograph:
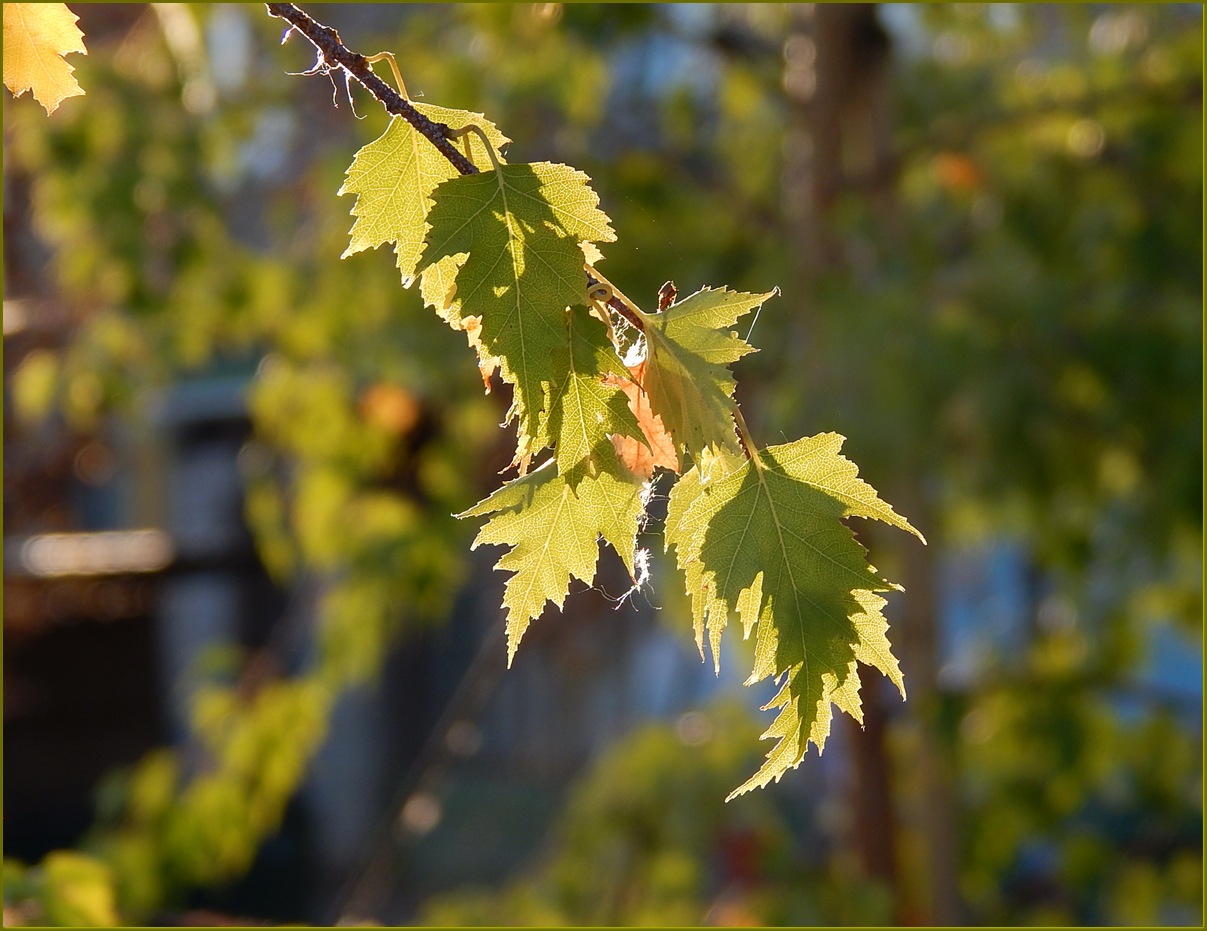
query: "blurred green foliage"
156, 228
1018, 345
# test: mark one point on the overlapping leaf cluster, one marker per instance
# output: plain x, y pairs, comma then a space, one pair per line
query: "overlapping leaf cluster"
505, 255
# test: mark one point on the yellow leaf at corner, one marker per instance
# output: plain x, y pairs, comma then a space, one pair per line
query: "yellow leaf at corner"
79, 891
36, 37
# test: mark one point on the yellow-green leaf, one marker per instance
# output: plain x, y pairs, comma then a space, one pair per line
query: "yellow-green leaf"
393, 178
36, 37
766, 541
521, 227
687, 378
587, 410
553, 531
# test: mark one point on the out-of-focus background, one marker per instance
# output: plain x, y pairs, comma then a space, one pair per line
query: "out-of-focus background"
252, 670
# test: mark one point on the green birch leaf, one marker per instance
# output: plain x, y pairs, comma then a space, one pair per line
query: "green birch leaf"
438, 284
688, 350
393, 178
585, 410
438, 288
765, 541
521, 226
553, 531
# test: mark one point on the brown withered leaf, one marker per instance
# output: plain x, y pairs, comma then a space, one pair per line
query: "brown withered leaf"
659, 449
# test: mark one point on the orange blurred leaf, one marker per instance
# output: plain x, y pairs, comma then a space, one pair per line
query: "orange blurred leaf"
390, 407
957, 172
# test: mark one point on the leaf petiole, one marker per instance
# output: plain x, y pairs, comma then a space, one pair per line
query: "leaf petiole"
477, 130
611, 296
389, 56
748, 444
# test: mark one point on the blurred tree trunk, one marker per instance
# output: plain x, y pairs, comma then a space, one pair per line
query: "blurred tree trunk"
839, 139
933, 779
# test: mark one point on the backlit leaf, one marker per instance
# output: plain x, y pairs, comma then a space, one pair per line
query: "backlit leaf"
521, 227
587, 409
553, 531
36, 37
687, 378
393, 178
765, 541
438, 285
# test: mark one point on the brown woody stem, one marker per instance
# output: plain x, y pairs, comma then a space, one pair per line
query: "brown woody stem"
333, 53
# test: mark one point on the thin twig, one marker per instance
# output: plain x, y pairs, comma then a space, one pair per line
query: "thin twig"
333, 53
